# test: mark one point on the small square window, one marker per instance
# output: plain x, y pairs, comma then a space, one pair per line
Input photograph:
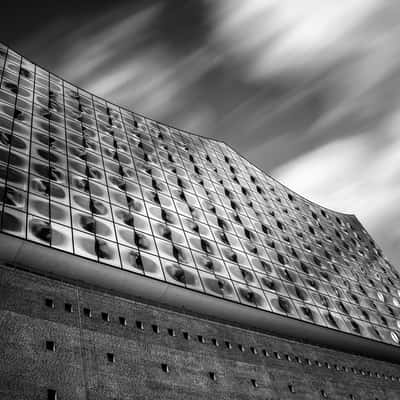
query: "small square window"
228, 345
105, 317
122, 321
156, 328
253, 350
215, 342
254, 383
201, 339
111, 357
265, 353
68, 307
291, 388
51, 394
50, 345
165, 367
49, 303
186, 335
213, 376
87, 312
171, 332
241, 347
139, 325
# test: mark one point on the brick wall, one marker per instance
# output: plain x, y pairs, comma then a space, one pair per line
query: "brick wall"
123, 349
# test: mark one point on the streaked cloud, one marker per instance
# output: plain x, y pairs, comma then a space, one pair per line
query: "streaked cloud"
277, 36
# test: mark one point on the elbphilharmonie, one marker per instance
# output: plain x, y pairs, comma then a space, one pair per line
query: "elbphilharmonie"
140, 261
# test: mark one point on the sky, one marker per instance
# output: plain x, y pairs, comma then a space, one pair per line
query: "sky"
307, 90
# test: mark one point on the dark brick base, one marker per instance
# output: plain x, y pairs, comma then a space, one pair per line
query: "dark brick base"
146, 355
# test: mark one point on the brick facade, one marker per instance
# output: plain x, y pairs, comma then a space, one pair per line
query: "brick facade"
111, 347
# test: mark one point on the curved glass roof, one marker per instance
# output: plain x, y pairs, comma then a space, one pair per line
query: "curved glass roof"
82, 175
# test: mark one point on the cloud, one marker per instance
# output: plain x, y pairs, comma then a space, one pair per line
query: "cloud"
321, 70
272, 36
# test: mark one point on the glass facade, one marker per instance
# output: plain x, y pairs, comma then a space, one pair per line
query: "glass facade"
89, 178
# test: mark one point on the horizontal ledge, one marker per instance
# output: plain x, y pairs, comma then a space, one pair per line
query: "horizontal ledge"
46, 260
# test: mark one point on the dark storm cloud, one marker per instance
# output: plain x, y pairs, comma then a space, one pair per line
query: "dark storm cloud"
308, 89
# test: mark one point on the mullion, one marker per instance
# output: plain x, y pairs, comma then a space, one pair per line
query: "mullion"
10, 148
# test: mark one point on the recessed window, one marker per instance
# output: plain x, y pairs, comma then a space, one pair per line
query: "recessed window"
324, 394
171, 332
241, 347
49, 303
110, 357
213, 376
105, 316
139, 325
265, 353
254, 383
215, 342
186, 335
253, 350
87, 312
201, 339
165, 367
68, 307
122, 321
50, 345
228, 345
51, 394
277, 355
156, 328
291, 388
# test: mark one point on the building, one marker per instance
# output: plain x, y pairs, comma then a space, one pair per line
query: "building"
139, 262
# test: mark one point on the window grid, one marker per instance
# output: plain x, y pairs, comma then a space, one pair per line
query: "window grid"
138, 195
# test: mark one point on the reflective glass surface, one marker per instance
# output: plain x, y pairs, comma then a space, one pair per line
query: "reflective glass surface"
87, 177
